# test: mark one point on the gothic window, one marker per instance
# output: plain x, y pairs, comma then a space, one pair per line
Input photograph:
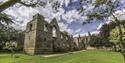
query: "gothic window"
30, 27
45, 28
54, 32
61, 36
66, 38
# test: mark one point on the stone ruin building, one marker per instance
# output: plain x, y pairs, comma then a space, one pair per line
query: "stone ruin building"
42, 37
82, 42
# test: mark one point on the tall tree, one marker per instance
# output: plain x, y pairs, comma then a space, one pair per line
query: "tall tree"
103, 9
114, 37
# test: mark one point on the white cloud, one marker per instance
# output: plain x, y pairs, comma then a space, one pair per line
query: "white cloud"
95, 32
86, 34
24, 14
70, 31
78, 30
46, 12
63, 27
72, 15
119, 14
100, 26
66, 2
21, 15
3, 1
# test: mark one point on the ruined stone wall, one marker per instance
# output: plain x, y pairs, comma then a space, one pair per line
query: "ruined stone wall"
42, 37
29, 44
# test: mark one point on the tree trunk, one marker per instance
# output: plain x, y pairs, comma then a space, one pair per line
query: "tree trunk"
12, 53
7, 4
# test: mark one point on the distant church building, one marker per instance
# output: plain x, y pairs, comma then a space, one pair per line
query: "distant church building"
42, 37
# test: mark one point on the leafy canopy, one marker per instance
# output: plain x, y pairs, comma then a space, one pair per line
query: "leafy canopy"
114, 35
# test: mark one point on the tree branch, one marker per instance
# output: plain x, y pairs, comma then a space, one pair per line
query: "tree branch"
28, 5
120, 31
10, 3
7, 4
116, 19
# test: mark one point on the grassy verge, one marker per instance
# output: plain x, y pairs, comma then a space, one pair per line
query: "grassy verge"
80, 57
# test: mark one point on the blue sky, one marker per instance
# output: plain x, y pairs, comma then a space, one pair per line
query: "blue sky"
68, 17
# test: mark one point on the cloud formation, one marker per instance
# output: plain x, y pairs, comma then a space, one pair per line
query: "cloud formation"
68, 16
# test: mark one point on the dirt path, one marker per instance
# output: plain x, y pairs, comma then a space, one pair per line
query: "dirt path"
52, 55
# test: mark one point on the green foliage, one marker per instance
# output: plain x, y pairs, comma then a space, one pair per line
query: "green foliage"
2, 36
96, 41
99, 41
112, 4
97, 15
5, 18
2, 39
9, 35
11, 46
103, 9
114, 35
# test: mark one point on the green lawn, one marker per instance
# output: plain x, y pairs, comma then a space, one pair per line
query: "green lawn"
80, 57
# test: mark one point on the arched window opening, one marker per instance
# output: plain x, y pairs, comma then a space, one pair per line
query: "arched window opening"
66, 38
30, 27
45, 28
61, 36
54, 32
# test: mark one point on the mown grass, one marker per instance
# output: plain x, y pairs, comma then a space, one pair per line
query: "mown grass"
80, 57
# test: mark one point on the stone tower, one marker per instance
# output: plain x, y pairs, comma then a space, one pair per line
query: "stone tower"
38, 37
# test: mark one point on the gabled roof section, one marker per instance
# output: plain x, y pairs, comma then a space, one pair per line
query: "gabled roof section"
54, 23
38, 16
